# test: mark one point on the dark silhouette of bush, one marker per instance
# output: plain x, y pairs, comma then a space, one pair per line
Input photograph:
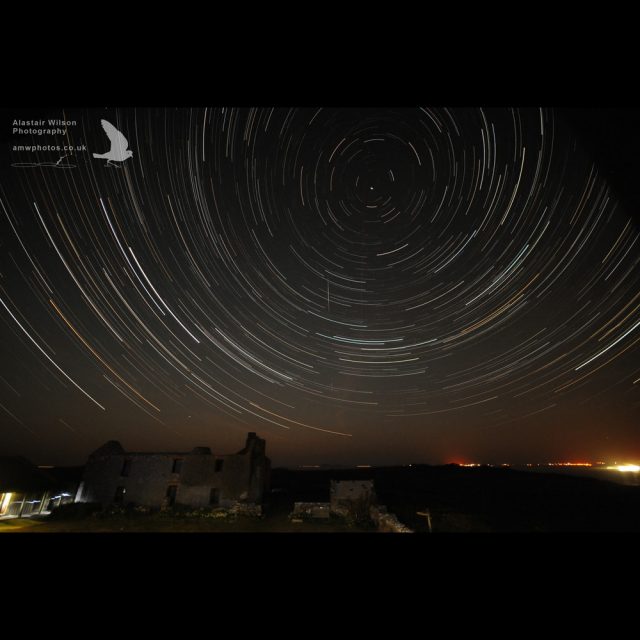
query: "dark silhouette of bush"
75, 510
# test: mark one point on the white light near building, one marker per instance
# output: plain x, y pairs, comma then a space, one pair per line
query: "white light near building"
5, 501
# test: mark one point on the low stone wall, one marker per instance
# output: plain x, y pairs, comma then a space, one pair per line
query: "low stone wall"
387, 522
321, 510
246, 509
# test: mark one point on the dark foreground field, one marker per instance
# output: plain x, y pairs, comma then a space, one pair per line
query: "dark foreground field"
272, 523
459, 500
482, 499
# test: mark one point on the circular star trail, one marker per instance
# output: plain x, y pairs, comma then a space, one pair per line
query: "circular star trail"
327, 277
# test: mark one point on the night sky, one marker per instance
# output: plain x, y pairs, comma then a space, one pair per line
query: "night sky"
358, 286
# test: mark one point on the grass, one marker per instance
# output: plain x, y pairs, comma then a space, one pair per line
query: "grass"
277, 523
18, 525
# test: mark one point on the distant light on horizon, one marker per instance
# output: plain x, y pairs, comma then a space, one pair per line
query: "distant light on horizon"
626, 468
569, 464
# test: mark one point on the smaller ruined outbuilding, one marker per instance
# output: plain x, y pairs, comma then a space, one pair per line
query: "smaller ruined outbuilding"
353, 500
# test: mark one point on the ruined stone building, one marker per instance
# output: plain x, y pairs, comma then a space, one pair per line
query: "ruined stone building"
352, 497
197, 479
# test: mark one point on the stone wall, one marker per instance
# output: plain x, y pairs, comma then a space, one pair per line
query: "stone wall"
387, 522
